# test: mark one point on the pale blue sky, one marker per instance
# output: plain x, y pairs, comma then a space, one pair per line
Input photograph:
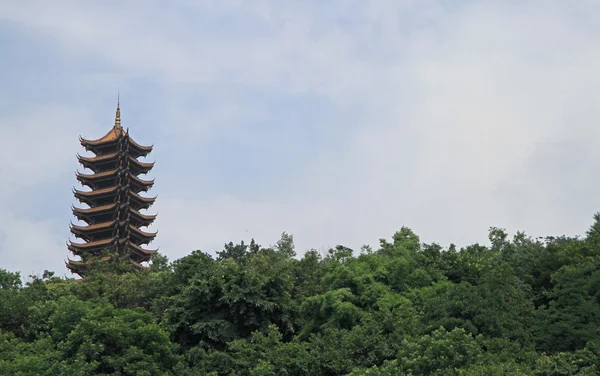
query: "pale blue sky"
336, 121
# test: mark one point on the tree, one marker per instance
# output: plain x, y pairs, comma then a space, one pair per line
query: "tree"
9, 281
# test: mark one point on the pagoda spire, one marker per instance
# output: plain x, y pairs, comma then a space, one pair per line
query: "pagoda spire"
118, 115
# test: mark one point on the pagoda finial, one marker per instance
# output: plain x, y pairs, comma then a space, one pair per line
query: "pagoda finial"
118, 116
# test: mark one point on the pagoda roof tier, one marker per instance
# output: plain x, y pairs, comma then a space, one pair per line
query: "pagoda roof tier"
112, 136
81, 266
143, 233
107, 143
95, 163
138, 150
89, 197
143, 254
142, 237
78, 248
136, 167
139, 185
139, 265
99, 150
74, 267
87, 213
89, 179
142, 218
85, 232
138, 202
98, 226
87, 262
97, 192
97, 176
111, 139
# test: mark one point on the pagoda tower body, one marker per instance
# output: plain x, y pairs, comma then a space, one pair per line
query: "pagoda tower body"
114, 202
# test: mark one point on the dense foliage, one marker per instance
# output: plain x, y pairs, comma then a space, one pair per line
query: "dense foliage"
516, 307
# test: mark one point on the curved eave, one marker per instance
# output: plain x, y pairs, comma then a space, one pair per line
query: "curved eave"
76, 247
94, 148
144, 237
81, 267
148, 200
142, 251
137, 264
109, 138
141, 205
143, 233
94, 162
100, 158
141, 149
94, 193
146, 217
91, 228
76, 267
79, 212
140, 202
84, 263
145, 183
143, 166
97, 176
145, 220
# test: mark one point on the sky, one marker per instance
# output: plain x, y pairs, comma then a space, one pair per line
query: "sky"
338, 122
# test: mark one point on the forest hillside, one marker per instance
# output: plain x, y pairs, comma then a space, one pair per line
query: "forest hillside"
518, 306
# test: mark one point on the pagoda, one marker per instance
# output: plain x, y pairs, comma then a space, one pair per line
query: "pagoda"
114, 202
